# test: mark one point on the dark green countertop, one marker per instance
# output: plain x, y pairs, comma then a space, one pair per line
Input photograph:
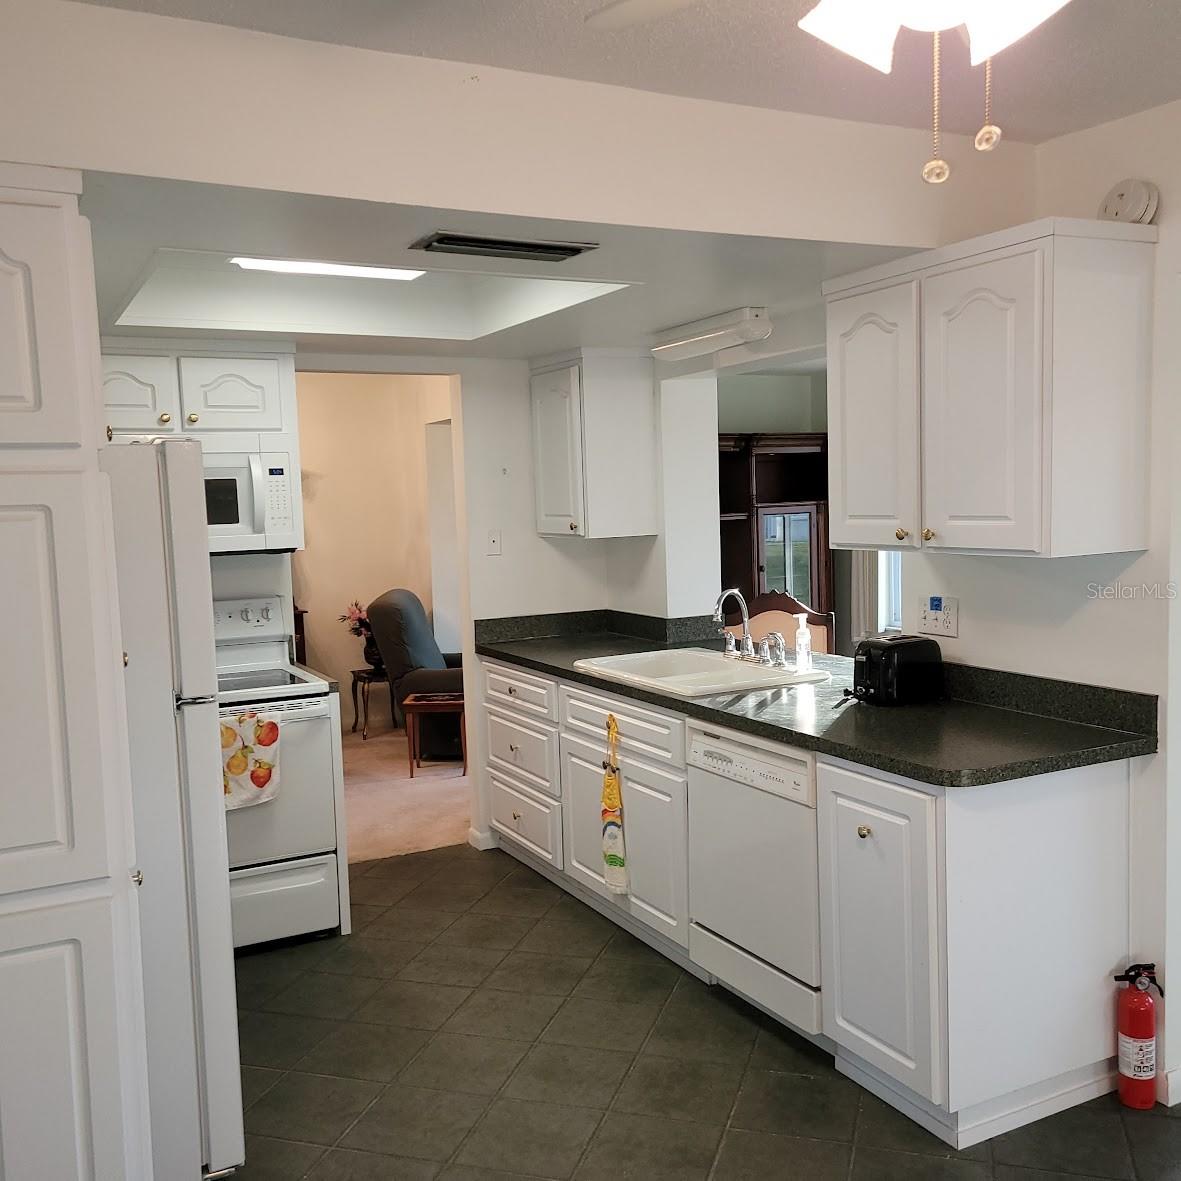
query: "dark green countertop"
948, 743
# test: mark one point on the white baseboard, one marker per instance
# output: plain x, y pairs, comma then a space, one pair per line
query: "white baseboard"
484, 840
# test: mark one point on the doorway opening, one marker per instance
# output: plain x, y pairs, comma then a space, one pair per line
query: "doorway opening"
382, 551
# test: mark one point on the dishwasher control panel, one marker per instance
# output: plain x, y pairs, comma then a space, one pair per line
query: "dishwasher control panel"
781, 775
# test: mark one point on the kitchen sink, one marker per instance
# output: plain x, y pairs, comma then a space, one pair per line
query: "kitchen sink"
693, 672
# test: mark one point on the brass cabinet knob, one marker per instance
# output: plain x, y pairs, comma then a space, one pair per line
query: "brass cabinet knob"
516, 815
165, 418
137, 876
928, 534
573, 526
863, 831
512, 690
110, 434
194, 417
902, 534
513, 748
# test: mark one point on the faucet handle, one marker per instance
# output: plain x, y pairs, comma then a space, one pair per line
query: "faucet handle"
765, 652
779, 644
748, 645
731, 643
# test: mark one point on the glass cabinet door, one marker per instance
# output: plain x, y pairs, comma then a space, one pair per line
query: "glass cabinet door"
789, 554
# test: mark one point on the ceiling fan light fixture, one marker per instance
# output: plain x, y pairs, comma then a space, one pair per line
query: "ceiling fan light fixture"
864, 29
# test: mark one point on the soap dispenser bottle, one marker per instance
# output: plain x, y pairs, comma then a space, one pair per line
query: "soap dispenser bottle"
803, 645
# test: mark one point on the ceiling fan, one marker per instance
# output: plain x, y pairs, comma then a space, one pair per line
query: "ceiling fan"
622, 14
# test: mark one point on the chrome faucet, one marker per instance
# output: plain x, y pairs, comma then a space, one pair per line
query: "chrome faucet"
747, 649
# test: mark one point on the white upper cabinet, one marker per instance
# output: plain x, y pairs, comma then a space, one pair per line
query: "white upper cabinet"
1024, 428
595, 456
873, 395
983, 360
556, 408
43, 362
141, 394
224, 394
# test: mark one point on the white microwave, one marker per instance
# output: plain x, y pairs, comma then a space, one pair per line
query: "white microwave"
253, 497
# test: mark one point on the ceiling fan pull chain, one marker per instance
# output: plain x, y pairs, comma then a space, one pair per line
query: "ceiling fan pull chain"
936, 170
990, 134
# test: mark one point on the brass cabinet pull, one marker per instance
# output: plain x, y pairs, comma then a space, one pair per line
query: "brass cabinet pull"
863, 831
928, 534
512, 690
137, 876
516, 815
902, 534
513, 748
110, 434
165, 418
194, 418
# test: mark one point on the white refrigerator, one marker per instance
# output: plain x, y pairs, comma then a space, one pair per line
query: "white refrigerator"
166, 609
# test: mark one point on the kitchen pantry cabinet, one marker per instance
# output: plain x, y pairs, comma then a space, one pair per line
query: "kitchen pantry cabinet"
164, 387
594, 440
72, 1016
992, 397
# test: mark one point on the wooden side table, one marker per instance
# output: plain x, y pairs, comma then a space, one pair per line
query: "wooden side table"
366, 677
417, 704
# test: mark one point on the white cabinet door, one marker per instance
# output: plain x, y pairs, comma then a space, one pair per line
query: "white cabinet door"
224, 394
60, 1069
655, 833
873, 430
141, 394
43, 369
556, 405
878, 925
982, 404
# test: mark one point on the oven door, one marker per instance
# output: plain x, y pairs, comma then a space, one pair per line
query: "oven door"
301, 819
235, 501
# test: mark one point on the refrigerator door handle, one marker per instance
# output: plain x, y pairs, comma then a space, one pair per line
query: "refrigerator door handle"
258, 490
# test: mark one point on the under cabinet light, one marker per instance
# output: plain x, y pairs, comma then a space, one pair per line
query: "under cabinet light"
291, 266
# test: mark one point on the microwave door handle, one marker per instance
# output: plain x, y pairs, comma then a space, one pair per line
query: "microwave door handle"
257, 484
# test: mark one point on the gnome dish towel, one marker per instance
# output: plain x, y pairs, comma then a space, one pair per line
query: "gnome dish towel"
249, 758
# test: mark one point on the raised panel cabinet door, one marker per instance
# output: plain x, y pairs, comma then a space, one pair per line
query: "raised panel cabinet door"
225, 394
556, 408
44, 372
878, 932
656, 840
873, 427
61, 1105
52, 798
582, 812
982, 404
141, 394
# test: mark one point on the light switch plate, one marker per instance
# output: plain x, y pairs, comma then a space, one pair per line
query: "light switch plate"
493, 547
939, 615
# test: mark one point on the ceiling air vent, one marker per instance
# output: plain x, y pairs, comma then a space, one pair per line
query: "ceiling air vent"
442, 242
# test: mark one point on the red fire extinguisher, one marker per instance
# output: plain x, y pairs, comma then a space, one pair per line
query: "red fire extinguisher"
1136, 1023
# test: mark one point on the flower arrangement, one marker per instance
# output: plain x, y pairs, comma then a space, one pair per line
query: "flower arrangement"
357, 619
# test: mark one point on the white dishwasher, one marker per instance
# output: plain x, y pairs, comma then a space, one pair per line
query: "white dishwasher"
754, 905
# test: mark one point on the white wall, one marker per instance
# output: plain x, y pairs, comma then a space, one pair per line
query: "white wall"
769, 403
122, 91
443, 535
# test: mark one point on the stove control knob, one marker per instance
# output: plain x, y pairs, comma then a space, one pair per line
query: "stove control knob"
266, 613
247, 614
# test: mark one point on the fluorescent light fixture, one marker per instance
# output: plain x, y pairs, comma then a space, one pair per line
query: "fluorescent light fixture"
294, 266
867, 29
708, 336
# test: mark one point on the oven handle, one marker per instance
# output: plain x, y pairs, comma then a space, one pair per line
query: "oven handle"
259, 489
283, 711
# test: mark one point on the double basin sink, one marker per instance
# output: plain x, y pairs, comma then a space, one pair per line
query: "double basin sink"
693, 672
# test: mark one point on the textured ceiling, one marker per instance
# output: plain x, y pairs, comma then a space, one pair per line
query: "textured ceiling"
1096, 60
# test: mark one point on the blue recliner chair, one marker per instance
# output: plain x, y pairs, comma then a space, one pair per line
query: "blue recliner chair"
415, 664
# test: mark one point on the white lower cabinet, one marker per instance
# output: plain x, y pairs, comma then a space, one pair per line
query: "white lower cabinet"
527, 817
655, 830
879, 925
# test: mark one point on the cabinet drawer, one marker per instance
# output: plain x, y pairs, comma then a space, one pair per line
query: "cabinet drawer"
657, 737
527, 751
523, 815
519, 691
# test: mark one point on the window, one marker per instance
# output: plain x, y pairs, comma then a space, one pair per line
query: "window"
889, 591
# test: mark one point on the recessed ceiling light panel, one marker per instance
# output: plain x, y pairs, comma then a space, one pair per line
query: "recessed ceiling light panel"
294, 266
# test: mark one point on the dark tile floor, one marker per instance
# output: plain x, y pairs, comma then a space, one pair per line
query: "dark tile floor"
480, 1024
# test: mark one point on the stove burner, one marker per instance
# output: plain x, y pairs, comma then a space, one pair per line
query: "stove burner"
257, 678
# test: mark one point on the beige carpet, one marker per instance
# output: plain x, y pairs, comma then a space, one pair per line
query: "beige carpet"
390, 813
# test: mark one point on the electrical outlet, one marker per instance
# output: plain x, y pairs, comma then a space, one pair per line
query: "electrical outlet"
939, 615
493, 547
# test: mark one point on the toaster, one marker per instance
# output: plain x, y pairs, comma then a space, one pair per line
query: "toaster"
897, 670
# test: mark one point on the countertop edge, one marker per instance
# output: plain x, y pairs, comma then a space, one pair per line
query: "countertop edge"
1131, 746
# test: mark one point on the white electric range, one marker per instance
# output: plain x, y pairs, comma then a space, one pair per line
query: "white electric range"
288, 857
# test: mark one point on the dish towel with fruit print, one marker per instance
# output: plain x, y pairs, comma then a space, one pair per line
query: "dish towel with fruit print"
614, 858
249, 758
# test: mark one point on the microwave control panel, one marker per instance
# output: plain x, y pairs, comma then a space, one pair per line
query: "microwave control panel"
276, 471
